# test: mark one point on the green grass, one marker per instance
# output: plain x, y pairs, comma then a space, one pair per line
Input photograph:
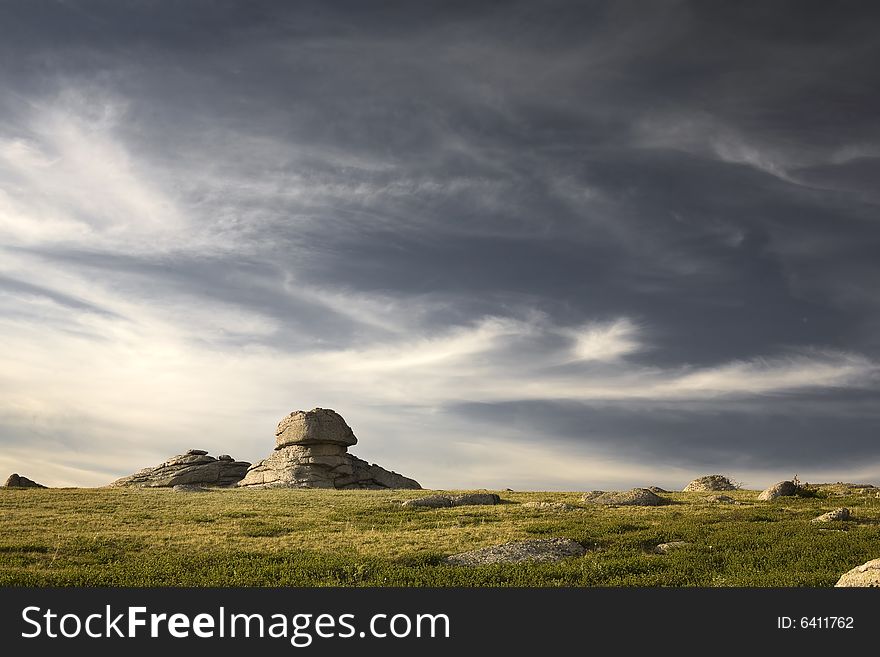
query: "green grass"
128, 537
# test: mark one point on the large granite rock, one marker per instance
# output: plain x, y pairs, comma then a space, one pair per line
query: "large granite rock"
315, 427
17, 481
195, 468
311, 451
710, 483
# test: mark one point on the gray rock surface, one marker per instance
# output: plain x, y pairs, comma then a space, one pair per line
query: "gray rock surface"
442, 501
534, 550
720, 499
781, 489
314, 427
190, 488
714, 482
634, 497
868, 574
832, 516
657, 489
666, 548
194, 468
311, 451
554, 506
15, 480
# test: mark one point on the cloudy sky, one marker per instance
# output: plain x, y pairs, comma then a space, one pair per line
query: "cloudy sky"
531, 245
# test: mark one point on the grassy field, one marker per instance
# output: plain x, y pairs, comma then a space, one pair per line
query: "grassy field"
128, 537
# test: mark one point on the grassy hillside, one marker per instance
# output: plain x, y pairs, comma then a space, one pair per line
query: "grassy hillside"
119, 537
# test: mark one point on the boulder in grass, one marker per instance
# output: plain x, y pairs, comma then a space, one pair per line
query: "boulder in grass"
534, 550
715, 482
720, 499
834, 516
465, 499
868, 574
781, 489
634, 497
552, 506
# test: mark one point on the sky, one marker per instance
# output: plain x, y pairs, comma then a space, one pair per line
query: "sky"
543, 246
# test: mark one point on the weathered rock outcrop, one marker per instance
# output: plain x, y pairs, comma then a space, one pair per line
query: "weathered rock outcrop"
195, 468
634, 497
17, 481
535, 550
782, 489
311, 451
710, 483
868, 574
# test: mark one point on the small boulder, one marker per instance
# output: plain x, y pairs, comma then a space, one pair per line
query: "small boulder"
534, 550
17, 481
666, 548
782, 489
634, 497
868, 574
720, 499
225, 457
713, 482
837, 515
657, 489
196, 452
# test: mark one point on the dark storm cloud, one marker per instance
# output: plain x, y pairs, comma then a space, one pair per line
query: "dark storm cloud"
706, 169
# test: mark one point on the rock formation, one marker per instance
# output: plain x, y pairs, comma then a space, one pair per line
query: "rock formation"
534, 550
195, 468
868, 574
634, 497
782, 489
311, 451
709, 483
17, 481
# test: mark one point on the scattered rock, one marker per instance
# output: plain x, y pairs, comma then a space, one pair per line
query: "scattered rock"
868, 574
782, 489
838, 514
720, 499
713, 482
190, 488
657, 489
466, 499
17, 481
195, 468
666, 548
311, 451
534, 550
593, 494
225, 457
634, 497
431, 502
556, 506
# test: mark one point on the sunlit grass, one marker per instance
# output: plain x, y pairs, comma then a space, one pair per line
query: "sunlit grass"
119, 537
